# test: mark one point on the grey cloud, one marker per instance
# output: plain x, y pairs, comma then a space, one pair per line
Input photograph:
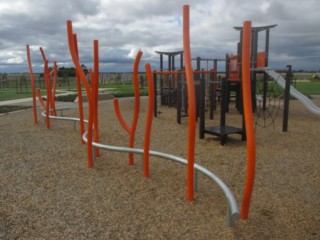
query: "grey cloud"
156, 25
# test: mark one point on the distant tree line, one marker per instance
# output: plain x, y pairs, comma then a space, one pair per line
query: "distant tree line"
64, 72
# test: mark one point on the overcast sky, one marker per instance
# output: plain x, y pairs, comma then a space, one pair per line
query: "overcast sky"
124, 26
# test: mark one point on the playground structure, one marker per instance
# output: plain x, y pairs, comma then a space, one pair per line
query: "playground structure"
212, 86
233, 83
90, 136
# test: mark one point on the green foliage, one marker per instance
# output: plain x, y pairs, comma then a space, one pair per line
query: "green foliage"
71, 71
308, 88
315, 77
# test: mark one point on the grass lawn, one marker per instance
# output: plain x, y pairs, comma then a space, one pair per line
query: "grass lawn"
308, 88
123, 90
119, 90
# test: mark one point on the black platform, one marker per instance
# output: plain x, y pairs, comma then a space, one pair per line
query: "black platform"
223, 132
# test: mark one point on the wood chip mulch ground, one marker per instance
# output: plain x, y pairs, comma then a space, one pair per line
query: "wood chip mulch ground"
47, 191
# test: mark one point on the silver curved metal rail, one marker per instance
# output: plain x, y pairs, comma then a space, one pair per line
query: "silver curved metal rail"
232, 206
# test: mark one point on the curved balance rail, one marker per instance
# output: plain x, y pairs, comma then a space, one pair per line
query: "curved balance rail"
232, 206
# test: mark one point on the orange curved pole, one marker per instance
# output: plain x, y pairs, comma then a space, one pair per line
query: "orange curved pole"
119, 116
91, 121
42, 54
132, 130
191, 104
43, 104
33, 86
146, 144
46, 75
75, 59
136, 103
79, 90
95, 91
48, 84
85, 81
249, 123
54, 87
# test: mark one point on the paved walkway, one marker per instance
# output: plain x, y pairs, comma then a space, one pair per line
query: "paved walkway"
28, 102
21, 102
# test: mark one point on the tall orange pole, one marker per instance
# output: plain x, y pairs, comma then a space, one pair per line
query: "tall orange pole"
191, 103
95, 92
136, 103
33, 86
146, 144
79, 89
84, 79
91, 99
46, 75
54, 87
131, 130
248, 116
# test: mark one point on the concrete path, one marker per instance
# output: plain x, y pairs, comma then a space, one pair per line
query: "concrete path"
20, 102
28, 102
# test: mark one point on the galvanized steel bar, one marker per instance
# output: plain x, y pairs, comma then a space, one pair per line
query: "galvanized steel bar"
232, 206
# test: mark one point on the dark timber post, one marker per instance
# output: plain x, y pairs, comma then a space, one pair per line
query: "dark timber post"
197, 87
179, 98
286, 100
161, 78
155, 113
223, 102
202, 108
213, 88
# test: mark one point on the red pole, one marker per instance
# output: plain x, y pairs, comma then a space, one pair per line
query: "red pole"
95, 92
147, 134
83, 77
79, 89
131, 130
34, 103
136, 103
46, 75
248, 116
54, 87
191, 104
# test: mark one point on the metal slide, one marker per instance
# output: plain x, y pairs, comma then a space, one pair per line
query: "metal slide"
294, 92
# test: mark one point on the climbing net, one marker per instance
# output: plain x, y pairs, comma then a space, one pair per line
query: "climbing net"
268, 102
